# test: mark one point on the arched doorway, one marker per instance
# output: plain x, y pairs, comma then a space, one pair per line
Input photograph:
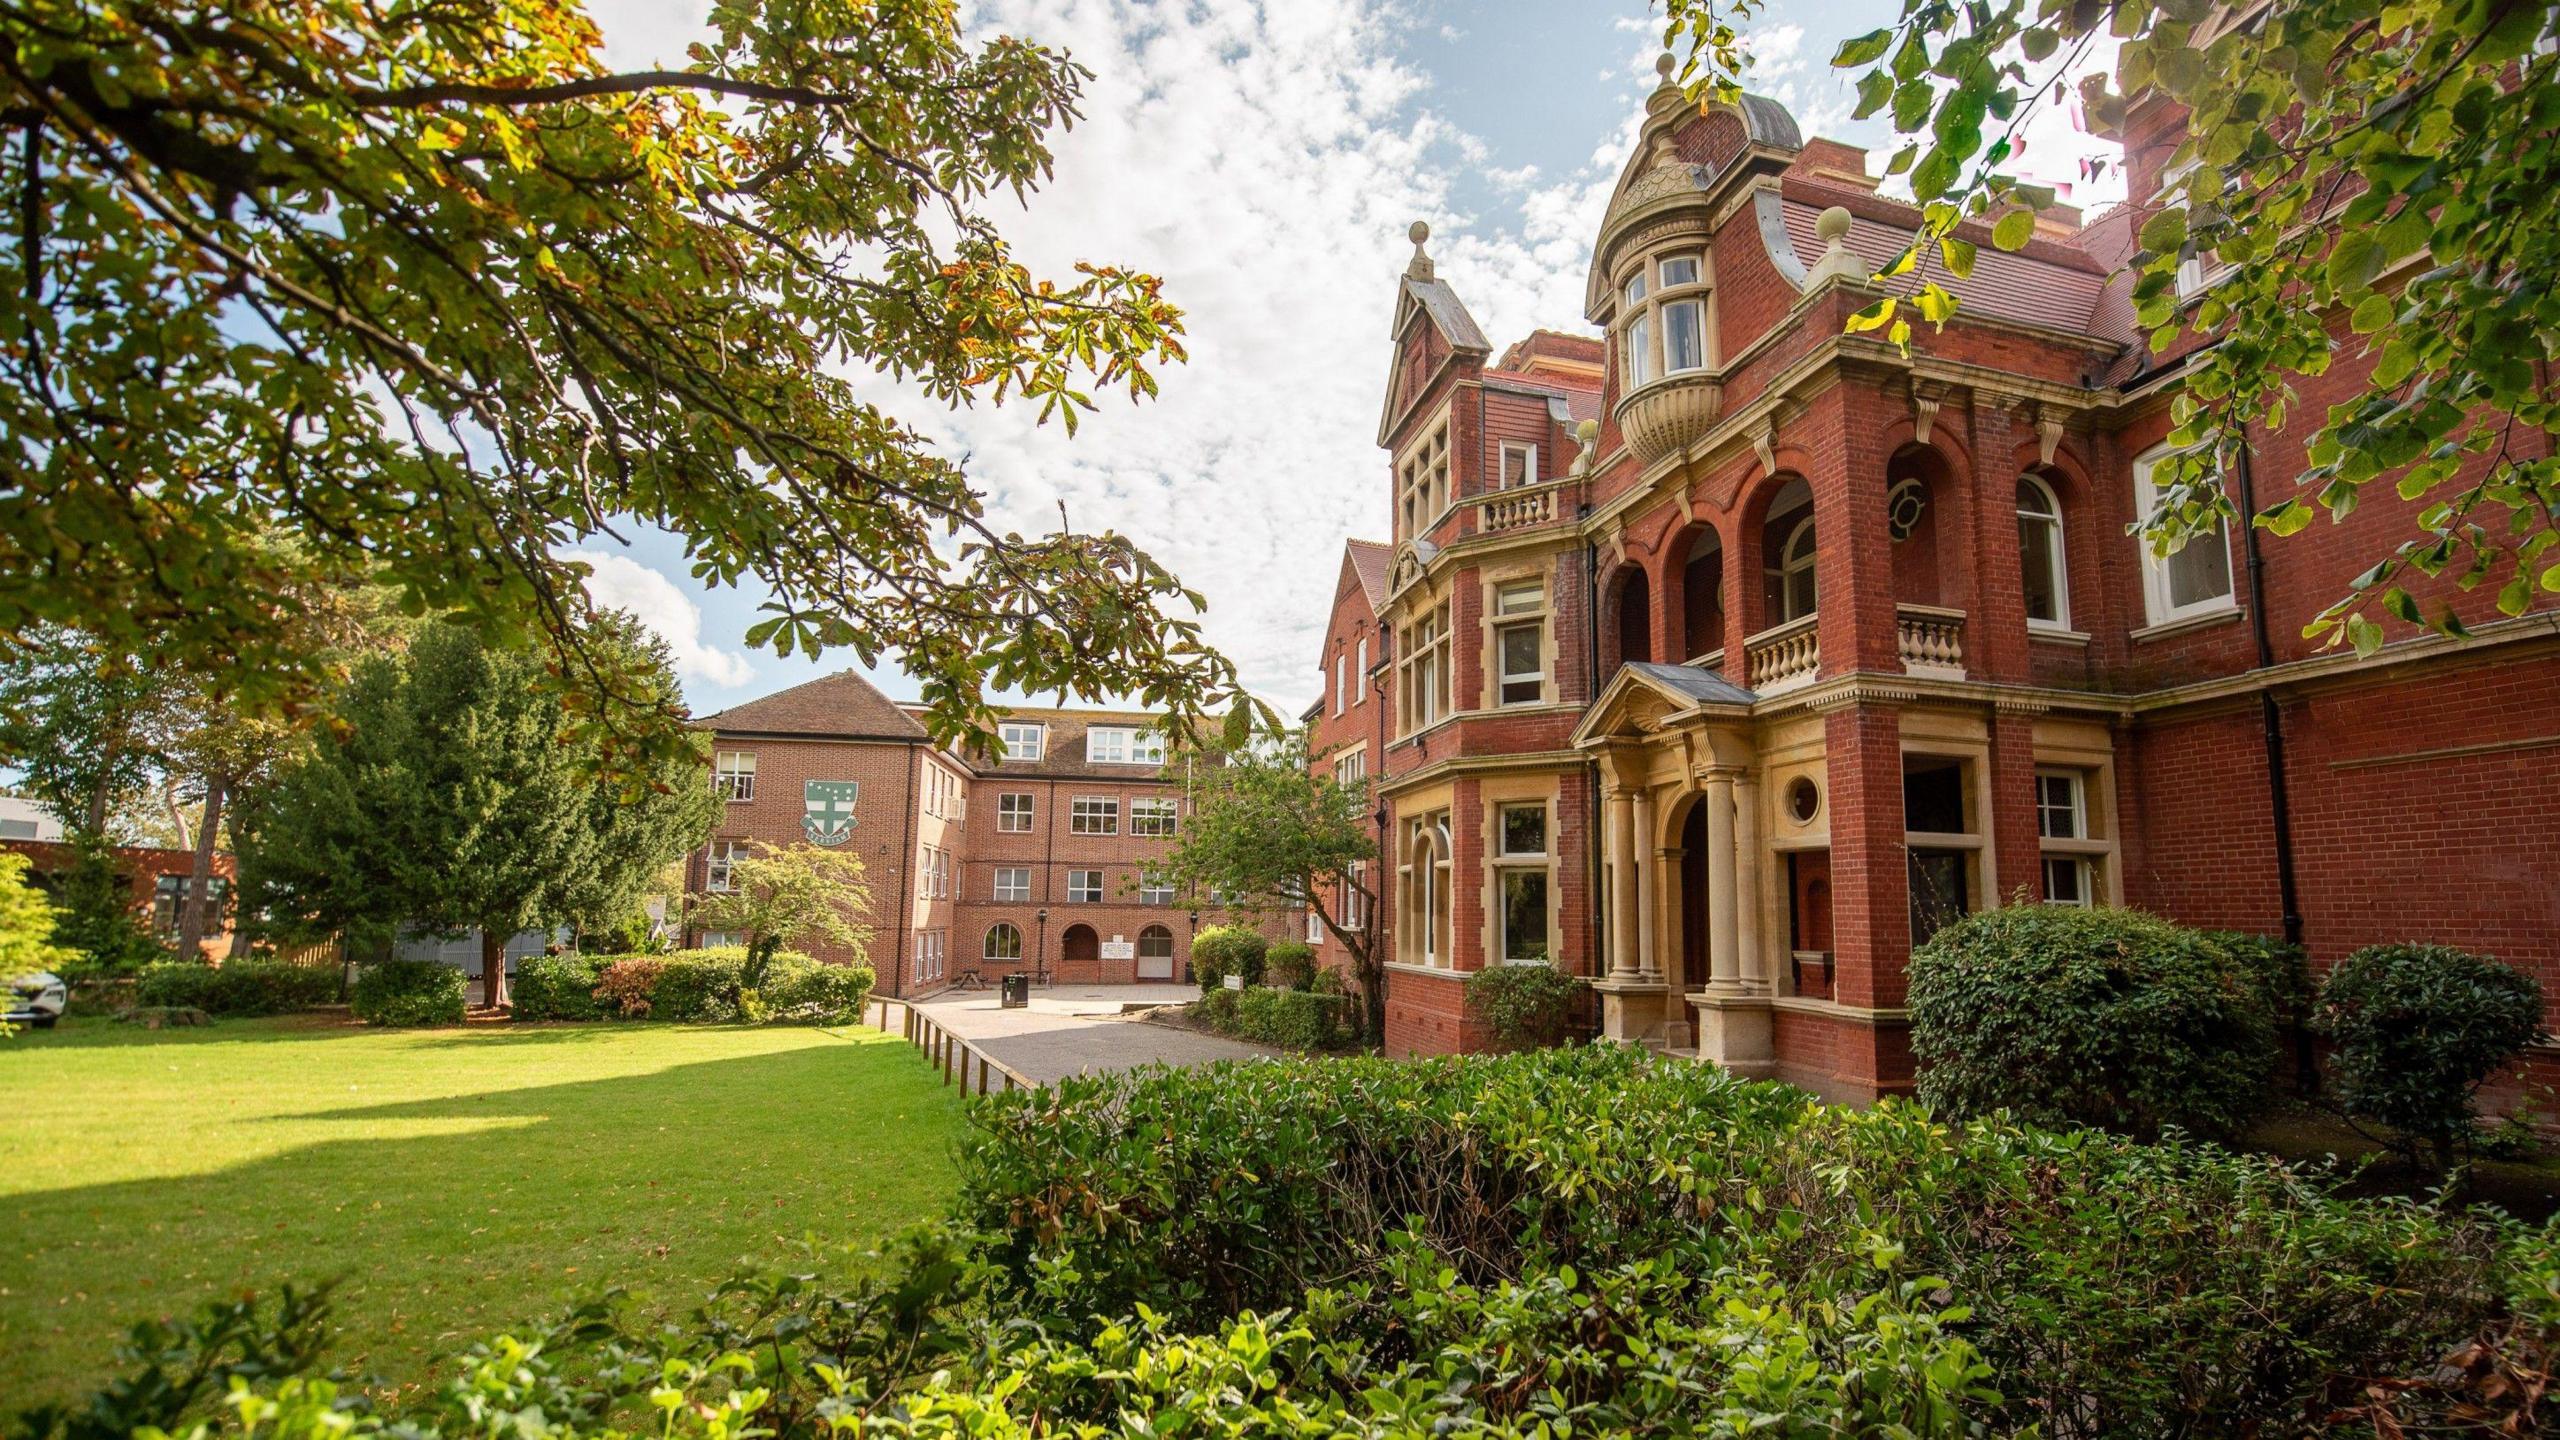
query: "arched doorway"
1155, 953
1080, 946
1702, 597
1635, 618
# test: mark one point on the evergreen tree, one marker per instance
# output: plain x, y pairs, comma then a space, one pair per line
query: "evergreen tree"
454, 790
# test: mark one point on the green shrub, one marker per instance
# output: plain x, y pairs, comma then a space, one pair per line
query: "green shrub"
1216, 1009
411, 992
1570, 1222
2110, 1018
558, 987
805, 992
1224, 950
1291, 965
2418, 1029
1291, 1019
237, 987
2278, 967
1524, 1005
699, 986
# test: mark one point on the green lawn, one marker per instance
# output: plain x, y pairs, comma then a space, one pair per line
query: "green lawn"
460, 1181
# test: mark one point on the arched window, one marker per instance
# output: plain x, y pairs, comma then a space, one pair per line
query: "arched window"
1787, 554
1424, 874
1155, 943
2041, 569
1004, 941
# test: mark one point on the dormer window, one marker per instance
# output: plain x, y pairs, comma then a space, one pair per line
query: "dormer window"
1023, 742
1663, 329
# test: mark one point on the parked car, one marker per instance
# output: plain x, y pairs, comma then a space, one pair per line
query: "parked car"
36, 1000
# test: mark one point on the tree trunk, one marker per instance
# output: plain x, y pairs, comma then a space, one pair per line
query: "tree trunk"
493, 970
197, 912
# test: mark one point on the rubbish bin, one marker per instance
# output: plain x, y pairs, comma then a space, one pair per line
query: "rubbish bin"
1017, 991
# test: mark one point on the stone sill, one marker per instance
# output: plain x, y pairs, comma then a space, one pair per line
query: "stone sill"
2167, 628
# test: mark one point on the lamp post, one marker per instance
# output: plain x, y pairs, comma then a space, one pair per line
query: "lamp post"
1186, 954
1040, 955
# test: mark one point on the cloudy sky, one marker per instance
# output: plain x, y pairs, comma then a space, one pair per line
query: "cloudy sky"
1265, 159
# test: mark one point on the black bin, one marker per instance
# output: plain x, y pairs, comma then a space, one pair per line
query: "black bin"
1017, 991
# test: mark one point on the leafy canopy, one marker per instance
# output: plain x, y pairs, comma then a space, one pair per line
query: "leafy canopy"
781, 895
436, 294
2378, 181
26, 924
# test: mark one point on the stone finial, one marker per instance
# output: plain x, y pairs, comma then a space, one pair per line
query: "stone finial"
1831, 227
1663, 65
1586, 439
1420, 266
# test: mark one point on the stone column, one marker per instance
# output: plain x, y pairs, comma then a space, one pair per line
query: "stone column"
1640, 861
1724, 973
1622, 883
1747, 887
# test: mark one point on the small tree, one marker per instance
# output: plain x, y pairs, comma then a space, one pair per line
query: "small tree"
778, 895
26, 924
2419, 1029
1270, 834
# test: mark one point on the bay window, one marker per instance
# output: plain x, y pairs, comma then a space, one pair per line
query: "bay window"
1664, 330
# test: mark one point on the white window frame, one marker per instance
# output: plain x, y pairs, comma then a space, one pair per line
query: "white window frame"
733, 776
1527, 454
1341, 691
1024, 741
1079, 893
2157, 605
2060, 557
1007, 814
1154, 889
1012, 883
1315, 927
1648, 300
1360, 677
991, 952
1093, 815
1530, 617
717, 863
1507, 862
1123, 745
1154, 817
2088, 854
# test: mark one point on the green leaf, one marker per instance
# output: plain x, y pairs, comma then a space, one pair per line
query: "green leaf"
1862, 49
1872, 316
2372, 313
1958, 255
2013, 230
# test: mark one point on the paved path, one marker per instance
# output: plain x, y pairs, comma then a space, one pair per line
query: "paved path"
1073, 1030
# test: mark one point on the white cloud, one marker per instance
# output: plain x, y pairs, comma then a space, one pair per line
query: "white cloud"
622, 583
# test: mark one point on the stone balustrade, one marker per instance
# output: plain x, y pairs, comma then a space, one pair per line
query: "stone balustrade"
1930, 640
1783, 657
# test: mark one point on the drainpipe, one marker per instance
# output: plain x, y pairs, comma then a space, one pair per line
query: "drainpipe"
2271, 728
907, 898
1591, 767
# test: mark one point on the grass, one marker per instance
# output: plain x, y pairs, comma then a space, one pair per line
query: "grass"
460, 1181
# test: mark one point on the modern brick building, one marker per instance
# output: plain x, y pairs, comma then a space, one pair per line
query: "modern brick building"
1723, 656
1034, 859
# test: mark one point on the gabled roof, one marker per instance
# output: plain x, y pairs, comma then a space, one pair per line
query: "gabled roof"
1444, 307
1369, 559
1646, 696
842, 706
1704, 686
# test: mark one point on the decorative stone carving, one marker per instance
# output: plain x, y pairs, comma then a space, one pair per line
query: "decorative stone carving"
1670, 414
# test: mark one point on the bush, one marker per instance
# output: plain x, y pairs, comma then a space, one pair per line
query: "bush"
809, 993
624, 985
1224, 950
2278, 967
1292, 1019
237, 987
1621, 1232
558, 987
1217, 1010
410, 992
2418, 1029
2110, 1018
1524, 1005
1291, 965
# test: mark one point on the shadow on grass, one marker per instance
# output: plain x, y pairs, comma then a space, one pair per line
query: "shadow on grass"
456, 1217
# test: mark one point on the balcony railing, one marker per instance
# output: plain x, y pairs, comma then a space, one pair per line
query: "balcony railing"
1783, 657
1930, 640
1669, 414
1519, 507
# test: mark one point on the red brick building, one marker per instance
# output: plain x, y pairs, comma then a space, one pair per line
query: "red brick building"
1724, 656
1037, 858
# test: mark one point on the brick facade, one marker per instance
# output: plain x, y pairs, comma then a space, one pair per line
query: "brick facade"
935, 833
1819, 745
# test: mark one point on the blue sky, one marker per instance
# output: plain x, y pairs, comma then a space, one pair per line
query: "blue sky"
1265, 159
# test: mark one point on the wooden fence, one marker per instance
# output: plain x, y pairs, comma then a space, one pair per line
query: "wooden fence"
956, 1058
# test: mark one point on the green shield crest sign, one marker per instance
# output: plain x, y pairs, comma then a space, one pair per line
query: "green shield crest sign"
827, 810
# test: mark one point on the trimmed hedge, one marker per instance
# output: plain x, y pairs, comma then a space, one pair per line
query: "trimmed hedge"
558, 987
1291, 965
237, 987
1290, 1019
1626, 1238
1223, 950
809, 993
2418, 1030
1524, 1005
411, 992
2110, 1018
703, 987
